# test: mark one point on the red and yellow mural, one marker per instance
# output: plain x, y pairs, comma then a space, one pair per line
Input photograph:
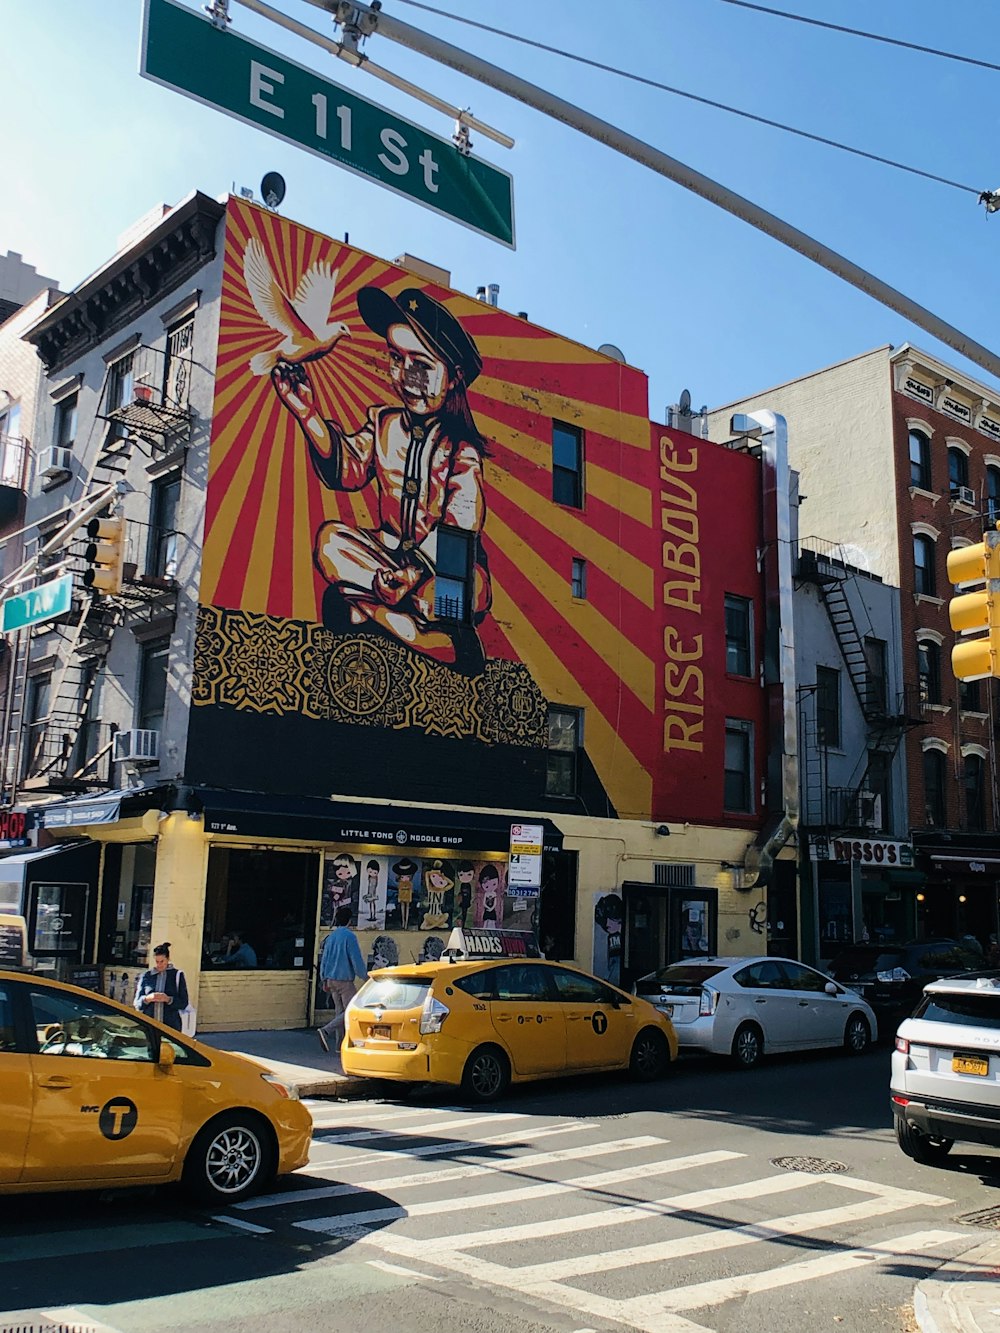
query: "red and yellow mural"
382, 546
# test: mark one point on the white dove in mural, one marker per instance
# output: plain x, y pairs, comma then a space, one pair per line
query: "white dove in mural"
304, 318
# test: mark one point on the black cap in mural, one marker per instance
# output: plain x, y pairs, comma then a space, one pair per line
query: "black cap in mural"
428, 319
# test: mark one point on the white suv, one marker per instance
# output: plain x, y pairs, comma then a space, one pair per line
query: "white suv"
946, 1069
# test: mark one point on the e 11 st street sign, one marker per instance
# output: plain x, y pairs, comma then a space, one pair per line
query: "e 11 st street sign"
45, 602
186, 52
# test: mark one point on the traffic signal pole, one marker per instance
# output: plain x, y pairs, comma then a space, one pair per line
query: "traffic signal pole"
360, 20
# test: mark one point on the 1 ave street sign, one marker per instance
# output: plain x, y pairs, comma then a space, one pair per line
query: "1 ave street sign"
45, 602
186, 52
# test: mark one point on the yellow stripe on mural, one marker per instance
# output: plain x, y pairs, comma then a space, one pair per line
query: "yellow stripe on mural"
605, 639
531, 351
612, 422
627, 783
633, 574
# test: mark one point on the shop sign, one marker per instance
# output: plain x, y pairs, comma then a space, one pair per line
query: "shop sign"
14, 827
524, 874
868, 851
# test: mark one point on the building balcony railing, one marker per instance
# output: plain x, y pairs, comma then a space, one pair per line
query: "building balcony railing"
148, 390
13, 461
59, 755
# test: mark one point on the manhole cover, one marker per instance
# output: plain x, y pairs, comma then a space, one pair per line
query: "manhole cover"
986, 1217
815, 1166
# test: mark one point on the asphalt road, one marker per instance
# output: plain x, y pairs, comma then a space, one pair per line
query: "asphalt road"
590, 1204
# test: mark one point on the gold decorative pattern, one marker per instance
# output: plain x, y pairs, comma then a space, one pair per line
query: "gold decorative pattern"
265, 664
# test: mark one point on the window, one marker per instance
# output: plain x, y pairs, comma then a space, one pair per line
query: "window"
567, 465
177, 364
878, 780
739, 635
8, 1038
761, 976
738, 774
958, 469
269, 899
969, 699
828, 705
453, 571
924, 580
803, 978
565, 739
66, 417
520, 981
920, 460
574, 988
929, 672
579, 578
876, 678
121, 382
153, 684
39, 700
11, 446
993, 494
68, 1024
934, 803
161, 558
972, 781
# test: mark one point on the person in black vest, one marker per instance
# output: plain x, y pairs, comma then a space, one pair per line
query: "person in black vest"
162, 991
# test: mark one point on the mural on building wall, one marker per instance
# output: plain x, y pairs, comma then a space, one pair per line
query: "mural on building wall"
388, 546
608, 916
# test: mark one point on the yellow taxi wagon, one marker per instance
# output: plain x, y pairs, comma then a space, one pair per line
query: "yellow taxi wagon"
483, 1025
93, 1096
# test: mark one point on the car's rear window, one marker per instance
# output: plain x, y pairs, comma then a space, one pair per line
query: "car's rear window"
392, 993
866, 960
679, 978
970, 1009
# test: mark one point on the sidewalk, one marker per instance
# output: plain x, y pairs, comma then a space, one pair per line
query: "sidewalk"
964, 1295
298, 1057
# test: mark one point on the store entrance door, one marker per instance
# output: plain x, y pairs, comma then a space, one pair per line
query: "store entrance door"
665, 924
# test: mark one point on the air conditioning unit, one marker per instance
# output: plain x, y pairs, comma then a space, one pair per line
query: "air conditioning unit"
869, 809
964, 495
137, 746
55, 462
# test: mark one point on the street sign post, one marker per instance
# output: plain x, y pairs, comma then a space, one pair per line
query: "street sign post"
186, 52
524, 872
45, 602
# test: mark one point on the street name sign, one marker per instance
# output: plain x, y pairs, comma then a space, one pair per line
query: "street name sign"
186, 52
45, 602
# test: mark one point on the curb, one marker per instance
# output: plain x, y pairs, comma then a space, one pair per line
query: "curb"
964, 1294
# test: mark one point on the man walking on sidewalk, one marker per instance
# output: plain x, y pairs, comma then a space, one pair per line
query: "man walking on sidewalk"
339, 963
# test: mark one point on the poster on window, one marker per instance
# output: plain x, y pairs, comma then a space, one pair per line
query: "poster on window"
608, 912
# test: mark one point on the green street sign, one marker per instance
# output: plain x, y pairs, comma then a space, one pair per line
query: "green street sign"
45, 602
184, 51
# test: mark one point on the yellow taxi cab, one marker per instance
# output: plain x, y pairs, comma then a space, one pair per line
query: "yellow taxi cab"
93, 1096
484, 1024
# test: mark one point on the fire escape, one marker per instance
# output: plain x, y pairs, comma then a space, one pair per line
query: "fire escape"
856, 807
53, 740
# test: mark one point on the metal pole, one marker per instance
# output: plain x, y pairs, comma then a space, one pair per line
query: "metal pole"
641, 152
386, 75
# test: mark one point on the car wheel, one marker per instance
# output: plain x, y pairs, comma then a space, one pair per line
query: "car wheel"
650, 1057
232, 1157
921, 1147
748, 1046
487, 1074
857, 1035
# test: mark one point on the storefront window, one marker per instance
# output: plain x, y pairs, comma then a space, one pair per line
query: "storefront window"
130, 902
260, 908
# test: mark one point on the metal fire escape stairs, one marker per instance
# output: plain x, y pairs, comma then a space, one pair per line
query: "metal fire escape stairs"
51, 756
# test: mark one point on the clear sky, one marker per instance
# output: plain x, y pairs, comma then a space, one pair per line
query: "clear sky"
607, 251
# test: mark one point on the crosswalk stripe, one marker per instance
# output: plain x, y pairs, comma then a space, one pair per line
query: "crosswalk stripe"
512, 1166
360, 1135
471, 1146
434, 1207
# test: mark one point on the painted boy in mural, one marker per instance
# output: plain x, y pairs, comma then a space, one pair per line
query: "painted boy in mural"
425, 460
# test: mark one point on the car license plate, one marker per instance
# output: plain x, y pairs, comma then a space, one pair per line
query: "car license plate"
381, 1030
970, 1064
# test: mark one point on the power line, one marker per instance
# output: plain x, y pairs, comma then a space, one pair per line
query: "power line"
870, 36
694, 97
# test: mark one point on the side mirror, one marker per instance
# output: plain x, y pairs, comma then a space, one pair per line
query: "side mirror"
832, 988
167, 1054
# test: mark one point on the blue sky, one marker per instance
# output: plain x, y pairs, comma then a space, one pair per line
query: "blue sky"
607, 251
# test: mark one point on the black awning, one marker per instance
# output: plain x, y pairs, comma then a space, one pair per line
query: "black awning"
105, 807
255, 815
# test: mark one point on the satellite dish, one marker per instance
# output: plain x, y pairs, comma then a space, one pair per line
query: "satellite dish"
615, 353
685, 402
272, 189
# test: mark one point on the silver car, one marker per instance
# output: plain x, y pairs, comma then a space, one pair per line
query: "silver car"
946, 1069
751, 1007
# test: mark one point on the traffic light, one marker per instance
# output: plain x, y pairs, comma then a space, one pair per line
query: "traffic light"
105, 554
972, 612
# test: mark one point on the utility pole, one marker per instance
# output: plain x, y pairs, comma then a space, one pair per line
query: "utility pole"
357, 17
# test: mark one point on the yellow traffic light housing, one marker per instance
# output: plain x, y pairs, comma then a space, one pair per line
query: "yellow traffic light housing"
105, 554
976, 570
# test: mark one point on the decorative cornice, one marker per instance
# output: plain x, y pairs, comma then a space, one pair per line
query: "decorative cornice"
118, 293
